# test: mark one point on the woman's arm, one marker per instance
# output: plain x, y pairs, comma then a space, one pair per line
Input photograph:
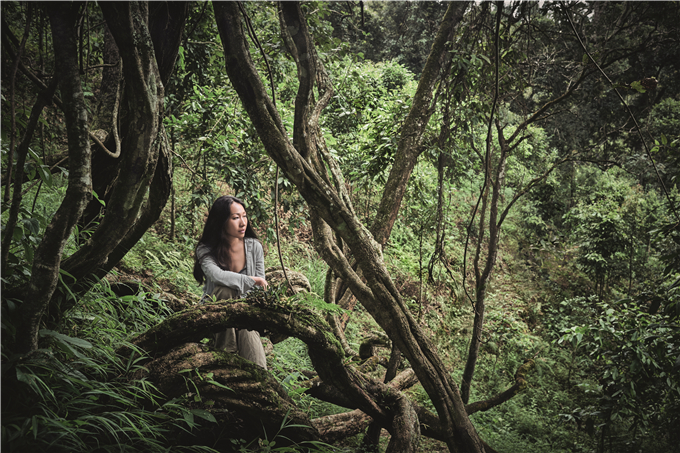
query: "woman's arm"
258, 257
258, 252
212, 271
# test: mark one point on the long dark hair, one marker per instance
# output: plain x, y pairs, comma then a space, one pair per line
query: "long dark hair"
212, 234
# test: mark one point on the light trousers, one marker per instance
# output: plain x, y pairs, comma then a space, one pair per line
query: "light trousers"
245, 343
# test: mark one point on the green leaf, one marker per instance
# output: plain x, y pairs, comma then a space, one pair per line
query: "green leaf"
24, 377
215, 383
637, 86
42, 169
204, 415
34, 426
102, 202
66, 339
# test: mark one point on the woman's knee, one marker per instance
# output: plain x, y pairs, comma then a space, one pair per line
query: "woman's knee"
224, 293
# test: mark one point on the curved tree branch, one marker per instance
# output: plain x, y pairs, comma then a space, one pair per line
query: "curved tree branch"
382, 299
144, 97
408, 147
520, 384
380, 401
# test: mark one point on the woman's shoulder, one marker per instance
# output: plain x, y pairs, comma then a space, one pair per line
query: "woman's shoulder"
201, 251
253, 244
253, 241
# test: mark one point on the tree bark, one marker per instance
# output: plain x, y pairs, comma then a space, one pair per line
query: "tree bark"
47, 258
372, 437
111, 76
104, 167
159, 192
127, 217
166, 26
254, 406
383, 403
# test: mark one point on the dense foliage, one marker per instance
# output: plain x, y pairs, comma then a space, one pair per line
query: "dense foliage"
550, 158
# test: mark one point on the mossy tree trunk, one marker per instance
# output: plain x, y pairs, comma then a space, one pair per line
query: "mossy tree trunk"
142, 179
167, 345
254, 395
165, 23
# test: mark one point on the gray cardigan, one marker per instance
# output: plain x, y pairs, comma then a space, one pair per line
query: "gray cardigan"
215, 275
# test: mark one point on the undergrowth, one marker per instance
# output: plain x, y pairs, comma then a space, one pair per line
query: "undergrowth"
75, 393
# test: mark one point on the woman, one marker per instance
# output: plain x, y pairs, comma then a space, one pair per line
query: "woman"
230, 260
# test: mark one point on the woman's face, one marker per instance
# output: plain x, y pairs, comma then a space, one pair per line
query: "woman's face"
236, 224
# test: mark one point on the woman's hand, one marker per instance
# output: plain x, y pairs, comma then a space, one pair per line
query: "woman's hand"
259, 281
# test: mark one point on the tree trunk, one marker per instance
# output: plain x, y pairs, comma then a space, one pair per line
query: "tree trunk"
382, 402
254, 406
104, 167
166, 25
379, 294
144, 163
409, 145
47, 258
111, 76
372, 437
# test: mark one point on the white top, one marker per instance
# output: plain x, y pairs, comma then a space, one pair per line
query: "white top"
215, 275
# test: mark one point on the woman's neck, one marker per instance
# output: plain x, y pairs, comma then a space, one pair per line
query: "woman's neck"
234, 249
233, 241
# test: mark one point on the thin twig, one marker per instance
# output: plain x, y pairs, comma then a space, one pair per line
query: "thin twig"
188, 167
106, 65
